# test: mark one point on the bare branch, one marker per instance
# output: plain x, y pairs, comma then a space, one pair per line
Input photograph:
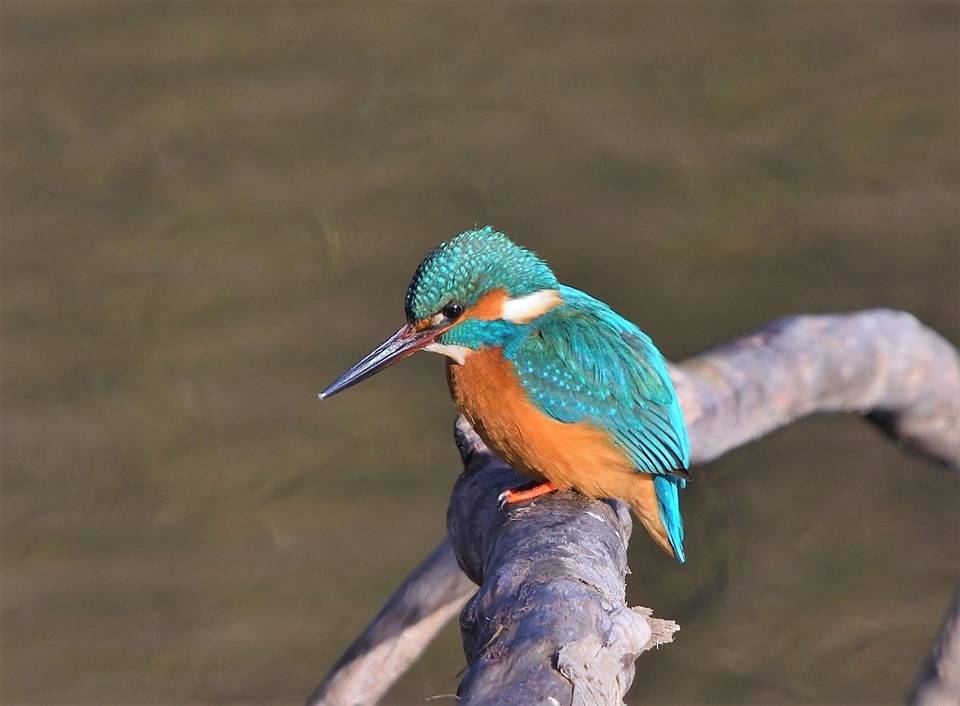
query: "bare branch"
399, 633
550, 618
939, 683
881, 363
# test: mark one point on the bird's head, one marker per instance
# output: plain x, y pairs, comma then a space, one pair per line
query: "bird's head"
479, 289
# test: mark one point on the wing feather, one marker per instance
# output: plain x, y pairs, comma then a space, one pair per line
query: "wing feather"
584, 362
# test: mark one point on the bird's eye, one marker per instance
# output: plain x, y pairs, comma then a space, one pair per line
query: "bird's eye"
452, 311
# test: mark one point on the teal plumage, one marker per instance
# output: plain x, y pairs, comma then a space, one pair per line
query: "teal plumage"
567, 359
668, 503
581, 361
463, 268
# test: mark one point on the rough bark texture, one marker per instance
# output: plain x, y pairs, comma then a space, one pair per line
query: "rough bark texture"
881, 363
939, 682
549, 621
549, 624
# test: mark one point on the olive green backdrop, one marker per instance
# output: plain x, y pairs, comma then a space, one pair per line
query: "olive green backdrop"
210, 209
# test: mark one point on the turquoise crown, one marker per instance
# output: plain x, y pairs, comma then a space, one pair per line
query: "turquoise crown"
467, 266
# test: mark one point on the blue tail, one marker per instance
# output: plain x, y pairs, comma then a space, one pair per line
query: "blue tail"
668, 500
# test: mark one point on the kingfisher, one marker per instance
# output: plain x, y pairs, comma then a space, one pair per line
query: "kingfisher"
555, 382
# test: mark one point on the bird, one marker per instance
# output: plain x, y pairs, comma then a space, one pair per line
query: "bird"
555, 382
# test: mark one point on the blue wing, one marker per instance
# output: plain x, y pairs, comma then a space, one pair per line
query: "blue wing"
584, 362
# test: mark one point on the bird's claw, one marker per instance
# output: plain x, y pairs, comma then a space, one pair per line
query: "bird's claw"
523, 493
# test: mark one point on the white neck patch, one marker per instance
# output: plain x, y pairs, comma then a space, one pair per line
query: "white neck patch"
456, 353
523, 310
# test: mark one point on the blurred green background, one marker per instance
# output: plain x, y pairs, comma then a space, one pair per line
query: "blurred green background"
210, 209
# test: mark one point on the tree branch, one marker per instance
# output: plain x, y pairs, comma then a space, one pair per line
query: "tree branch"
550, 619
884, 364
399, 633
552, 572
939, 682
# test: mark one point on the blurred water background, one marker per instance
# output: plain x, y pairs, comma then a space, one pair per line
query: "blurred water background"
210, 209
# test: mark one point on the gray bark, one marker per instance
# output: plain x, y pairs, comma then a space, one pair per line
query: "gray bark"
939, 682
398, 634
548, 624
880, 363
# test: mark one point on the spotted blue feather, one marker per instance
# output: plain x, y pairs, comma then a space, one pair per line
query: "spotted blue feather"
583, 362
579, 361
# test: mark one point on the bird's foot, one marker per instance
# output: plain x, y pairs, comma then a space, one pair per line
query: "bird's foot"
528, 491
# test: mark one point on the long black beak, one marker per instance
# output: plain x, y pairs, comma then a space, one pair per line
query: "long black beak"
403, 343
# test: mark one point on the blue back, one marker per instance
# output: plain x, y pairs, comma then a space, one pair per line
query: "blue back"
584, 362
580, 361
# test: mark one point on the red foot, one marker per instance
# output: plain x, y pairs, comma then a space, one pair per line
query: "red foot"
524, 492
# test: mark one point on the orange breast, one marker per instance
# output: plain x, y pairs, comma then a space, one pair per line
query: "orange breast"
580, 456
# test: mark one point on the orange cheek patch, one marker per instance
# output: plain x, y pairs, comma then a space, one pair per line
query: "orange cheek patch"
489, 307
